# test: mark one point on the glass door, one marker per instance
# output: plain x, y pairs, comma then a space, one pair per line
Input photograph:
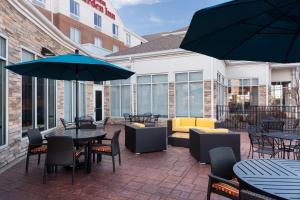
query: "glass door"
98, 105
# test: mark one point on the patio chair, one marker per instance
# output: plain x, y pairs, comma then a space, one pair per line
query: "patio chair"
247, 195
253, 130
222, 180
127, 118
103, 124
67, 125
61, 152
36, 146
111, 149
88, 126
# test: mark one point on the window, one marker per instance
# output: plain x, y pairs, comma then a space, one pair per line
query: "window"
281, 94
115, 30
3, 59
189, 94
74, 9
38, 100
97, 20
98, 42
120, 92
242, 93
75, 35
152, 94
128, 39
220, 89
115, 48
70, 100
27, 97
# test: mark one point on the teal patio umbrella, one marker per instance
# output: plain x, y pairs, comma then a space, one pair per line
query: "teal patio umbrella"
253, 30
71, 67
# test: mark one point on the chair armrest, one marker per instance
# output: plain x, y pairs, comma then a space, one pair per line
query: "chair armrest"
36, 145
107, 139
219, 179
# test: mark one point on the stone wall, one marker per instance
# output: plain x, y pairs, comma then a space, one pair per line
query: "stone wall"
22, 33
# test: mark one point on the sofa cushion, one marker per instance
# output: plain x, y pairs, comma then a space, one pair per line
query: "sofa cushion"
175, 122
205, 122
185, 129
187, 121
213, 130
139, 125
181, 135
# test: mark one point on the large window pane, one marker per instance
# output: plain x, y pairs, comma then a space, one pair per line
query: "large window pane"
41, 103
143, 98
115, 101
2, 48
68, 101
2, 101
51, 104
196, 99
126, 100
82, 97
160, 99
27, 97
182, 99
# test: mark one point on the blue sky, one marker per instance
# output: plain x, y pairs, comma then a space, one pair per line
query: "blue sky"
152, 16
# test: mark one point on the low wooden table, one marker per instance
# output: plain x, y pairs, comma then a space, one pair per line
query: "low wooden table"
279, 179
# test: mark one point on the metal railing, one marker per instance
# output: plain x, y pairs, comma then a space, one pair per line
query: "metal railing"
236, 118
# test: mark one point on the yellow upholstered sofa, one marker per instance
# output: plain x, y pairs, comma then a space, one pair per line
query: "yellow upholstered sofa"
184, 124
179, 129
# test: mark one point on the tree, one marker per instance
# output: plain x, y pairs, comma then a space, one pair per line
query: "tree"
294, 91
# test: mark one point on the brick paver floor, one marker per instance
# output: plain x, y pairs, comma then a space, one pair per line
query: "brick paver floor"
168, 175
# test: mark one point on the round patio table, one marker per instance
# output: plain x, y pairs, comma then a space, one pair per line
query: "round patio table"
81, 136
279, 179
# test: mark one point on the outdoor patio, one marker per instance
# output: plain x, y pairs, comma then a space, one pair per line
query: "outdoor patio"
172, 174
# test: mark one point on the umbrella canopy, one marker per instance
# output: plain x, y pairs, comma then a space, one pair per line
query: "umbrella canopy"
253, 30
71, 67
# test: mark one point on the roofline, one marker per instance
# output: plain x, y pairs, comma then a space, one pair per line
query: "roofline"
28, 10
177, 51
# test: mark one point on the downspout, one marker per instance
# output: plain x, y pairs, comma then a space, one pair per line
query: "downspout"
268, 83
133, 110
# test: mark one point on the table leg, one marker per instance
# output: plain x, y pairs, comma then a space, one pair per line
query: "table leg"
89, 164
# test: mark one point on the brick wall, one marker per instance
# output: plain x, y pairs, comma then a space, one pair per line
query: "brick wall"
88, 34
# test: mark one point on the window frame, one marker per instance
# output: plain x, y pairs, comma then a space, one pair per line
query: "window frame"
74, 15
115, 30
120, 85
5, 87
97, 18
34, 98
151, 90
188, 82
100, 42
78, 31
242, 79
73, 98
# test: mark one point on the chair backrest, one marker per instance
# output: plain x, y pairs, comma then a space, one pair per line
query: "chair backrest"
115, 142
247, 195
88, 126
126, 116
60, 150
63, 122
296, 123
222, 160
105, 121
34, 137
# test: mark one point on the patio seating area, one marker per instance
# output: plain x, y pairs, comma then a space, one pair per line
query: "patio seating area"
172, 174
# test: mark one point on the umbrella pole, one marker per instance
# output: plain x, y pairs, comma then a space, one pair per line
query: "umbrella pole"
77, 99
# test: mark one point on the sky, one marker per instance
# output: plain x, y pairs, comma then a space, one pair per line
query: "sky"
154, 16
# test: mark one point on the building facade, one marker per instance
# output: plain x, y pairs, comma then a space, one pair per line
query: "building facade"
92, 24
173, 82
28, 102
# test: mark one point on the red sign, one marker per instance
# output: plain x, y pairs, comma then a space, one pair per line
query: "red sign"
101, 6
